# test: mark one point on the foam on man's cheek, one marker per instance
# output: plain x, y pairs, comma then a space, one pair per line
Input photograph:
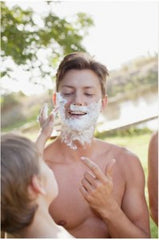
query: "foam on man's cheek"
85, 121
78, 129
61, 102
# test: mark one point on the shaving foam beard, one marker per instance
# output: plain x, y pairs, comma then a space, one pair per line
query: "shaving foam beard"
83, 122
79, 129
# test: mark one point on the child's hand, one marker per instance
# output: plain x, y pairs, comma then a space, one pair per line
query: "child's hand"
46, 122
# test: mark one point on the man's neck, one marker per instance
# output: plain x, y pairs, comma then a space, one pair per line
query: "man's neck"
81, 150
76, 138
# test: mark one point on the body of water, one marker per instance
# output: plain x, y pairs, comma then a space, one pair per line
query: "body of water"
127, 111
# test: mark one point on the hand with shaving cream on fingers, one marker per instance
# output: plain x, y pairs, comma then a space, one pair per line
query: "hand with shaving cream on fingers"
46, 123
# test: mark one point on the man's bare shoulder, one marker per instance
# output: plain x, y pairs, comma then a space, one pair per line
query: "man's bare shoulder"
122, 152
125, 159
153, 148
154, 138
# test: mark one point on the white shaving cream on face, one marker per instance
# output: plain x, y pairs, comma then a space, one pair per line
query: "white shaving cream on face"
79, 129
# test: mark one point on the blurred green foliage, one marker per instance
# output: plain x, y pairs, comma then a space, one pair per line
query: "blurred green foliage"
130, 131
10, 100
18, 110
22, 37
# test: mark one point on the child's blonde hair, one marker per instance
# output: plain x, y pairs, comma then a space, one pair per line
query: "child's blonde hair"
20, 161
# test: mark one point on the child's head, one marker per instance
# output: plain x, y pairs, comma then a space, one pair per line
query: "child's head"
24, 177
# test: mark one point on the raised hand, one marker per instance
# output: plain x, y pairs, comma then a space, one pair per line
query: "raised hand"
97, 187
46, 122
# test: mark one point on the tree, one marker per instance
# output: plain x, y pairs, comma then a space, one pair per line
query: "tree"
22, 38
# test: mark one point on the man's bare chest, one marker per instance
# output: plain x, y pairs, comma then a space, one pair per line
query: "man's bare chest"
70, 209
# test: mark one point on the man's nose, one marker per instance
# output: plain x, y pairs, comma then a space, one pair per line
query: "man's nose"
78, 99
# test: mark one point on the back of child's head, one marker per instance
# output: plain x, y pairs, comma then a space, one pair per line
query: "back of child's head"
19, 163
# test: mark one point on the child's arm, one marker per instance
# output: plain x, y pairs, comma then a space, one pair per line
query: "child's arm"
46, 123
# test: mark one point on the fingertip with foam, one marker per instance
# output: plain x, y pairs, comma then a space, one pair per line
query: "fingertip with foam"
113, 160
45, 110
84, 158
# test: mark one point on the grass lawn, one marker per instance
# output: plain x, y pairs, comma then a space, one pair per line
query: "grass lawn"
139, 145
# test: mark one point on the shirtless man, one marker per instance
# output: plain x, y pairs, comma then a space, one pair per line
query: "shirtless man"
101, 185
153, 176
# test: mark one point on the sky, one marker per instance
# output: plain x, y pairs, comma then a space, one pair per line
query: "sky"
122, 31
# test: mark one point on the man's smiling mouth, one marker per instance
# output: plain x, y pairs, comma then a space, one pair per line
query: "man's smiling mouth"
76, 113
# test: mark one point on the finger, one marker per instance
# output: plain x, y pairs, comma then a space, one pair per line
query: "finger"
86, 185
84, 192
90, 178
54, 112
109, 168
94, 168
51, 118
43, 114
44, 111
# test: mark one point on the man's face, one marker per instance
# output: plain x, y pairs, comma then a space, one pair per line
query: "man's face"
80, 88
79, 101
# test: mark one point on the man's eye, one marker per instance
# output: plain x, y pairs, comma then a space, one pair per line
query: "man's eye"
89, 94
67, 94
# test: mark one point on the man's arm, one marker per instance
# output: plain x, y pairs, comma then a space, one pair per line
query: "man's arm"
153, 177
129, 221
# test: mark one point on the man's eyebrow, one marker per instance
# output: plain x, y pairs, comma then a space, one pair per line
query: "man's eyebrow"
68, 86
85, 87
89, 87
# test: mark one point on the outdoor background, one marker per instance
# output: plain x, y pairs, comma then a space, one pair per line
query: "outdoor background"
123, 35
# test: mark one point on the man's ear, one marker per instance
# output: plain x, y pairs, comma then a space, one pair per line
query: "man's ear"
104, 102
54, 98
35, 187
